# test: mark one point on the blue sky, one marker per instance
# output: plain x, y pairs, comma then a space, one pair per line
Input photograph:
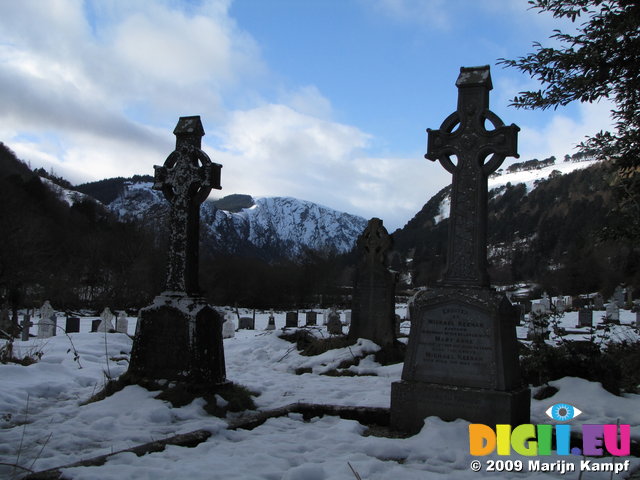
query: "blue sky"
325, 100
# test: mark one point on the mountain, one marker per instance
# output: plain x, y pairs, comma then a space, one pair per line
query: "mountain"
269, 228
546, 224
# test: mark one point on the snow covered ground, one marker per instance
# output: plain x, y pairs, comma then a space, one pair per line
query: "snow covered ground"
43, 425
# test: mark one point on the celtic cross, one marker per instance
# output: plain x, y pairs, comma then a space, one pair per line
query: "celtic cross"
463, 134
186, 179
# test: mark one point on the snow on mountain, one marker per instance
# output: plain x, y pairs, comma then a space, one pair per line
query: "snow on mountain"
273, 227
68, 196
529, 176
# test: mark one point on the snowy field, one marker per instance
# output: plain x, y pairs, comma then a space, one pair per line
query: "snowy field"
43, 425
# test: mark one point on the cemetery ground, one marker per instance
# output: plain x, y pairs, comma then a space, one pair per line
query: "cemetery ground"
46, 422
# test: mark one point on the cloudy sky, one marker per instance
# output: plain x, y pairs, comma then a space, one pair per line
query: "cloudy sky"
324, 100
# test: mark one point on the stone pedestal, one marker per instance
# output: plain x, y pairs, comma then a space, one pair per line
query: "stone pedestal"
178, 338
461, 361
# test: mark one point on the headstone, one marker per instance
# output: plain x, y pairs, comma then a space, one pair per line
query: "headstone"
72, 325
94, 325
585, 317
560, 305
228, 328
538, 309
5, 321
613, 312
246, 323
48, 321
462, 355
598, 302
291, 319
271, 324
373, 307
311, 318
179, 336
545, 301
106, 321
618, 296
122, 323
26, 324
347, 317
334, 325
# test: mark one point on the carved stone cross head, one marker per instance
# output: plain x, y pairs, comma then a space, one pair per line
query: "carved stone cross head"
375, 241
464, 135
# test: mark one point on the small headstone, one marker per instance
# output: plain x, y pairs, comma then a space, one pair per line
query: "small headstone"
122, 323
72, 325
311, 318
271, 324
246, 323
228, 328
106, 321
48, 321
347, 317
618, 296
291, 319
26, 324
334, 325
95, 324
545, 301
585, 317
373, 303
598, 302
613, 312
560, 305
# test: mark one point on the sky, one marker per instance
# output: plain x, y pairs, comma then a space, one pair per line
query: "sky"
322, 100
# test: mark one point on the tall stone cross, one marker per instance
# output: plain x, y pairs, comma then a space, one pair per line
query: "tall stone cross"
186, 179
463, 134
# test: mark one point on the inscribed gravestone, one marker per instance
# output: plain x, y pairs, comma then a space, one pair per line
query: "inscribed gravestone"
373, 307
122, 323
613, 312
26, 324
48, 321
291, 319
246, 323
334, 325
618, 296
72, 325
106, 321
462, 355
179, 336
271, 324
598, 302
560, 305
585, 317
311, 318
545, 301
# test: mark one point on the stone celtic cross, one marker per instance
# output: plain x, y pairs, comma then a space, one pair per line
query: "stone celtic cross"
463, 134
186, 179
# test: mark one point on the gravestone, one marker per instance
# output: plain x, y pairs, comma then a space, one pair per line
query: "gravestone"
462, 355
48, 321
291, 319
545, 301
5, 322
373, 304
179, 336
106, 321
560, 305
26, 325
613, 312
334, 325
598, 302
94, 325
311, 318
618, 296
585, 317
246, 323
228, 328
347, 317
538, 327
271, 323
122, 323
72, 325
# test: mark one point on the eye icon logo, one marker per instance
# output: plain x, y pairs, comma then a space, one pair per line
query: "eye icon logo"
563, 412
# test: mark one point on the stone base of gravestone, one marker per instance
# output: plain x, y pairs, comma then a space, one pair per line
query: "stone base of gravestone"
461, 361
72, 325
373, 309
246, 323
178, 338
